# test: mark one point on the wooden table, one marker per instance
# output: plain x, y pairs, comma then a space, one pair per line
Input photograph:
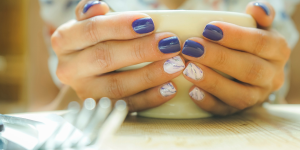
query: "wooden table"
272, 127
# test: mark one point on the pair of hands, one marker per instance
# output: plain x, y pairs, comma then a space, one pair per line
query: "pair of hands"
90, 48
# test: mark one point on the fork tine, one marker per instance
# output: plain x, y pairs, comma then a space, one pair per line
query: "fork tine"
81, 122
97, 125
112, 123
70, 117
73, 109
86, 112
103, 110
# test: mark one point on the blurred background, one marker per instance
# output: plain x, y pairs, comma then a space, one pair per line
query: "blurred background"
19, 32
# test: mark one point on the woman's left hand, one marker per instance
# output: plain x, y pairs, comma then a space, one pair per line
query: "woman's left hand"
255, 57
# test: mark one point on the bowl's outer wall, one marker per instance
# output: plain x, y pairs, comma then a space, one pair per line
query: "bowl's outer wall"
186, 24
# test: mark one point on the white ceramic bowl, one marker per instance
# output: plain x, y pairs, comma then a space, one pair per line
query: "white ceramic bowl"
186, 24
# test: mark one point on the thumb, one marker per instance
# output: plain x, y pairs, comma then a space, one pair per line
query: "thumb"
90, 8
262, 12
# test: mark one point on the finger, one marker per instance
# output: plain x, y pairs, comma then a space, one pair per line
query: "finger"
112, 55
151, 98
262, 12
209, 103
90, 8
234, 94
123, 84
240, 65
79, 35
251, 40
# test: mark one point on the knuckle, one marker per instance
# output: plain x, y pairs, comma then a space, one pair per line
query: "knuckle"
92, 30
55, 40
246, 100
103, 55
149, 77
138, 51
119, 30
286, 51
115, 88
221, 58
63, 74
278, 82
261, 42
255, 72
212, 86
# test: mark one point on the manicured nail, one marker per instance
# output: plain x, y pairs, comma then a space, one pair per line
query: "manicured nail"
213, 32
169, 45
173, 65
193, 72
143, 25
197, 94
167, 89
192, 48
88, 5
263, 6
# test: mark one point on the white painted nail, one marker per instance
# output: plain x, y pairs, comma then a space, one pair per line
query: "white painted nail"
197, 94
173, 65
193, 72
167, 89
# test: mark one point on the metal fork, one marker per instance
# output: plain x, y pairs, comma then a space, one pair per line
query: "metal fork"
90, 126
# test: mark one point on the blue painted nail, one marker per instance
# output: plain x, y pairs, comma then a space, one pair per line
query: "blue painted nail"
264, 7
169, 45
143, 25
192, 48
88, 5
213, 32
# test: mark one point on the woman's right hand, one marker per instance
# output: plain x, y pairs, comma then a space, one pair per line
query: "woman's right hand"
92, 47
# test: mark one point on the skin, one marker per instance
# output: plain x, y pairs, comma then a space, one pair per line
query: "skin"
43, 94
94, 43
255, 57
79, 41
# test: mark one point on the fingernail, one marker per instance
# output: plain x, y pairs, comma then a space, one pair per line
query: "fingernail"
169, 45
88, 5
173, 65
197, 94
193, 72
213, 32
143, 25
264, 7
192, 48
167, 89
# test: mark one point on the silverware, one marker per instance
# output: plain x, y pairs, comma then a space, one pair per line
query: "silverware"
1, 126
90, 126
18, 121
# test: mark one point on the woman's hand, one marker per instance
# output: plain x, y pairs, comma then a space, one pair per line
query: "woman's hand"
92, 47
254, 57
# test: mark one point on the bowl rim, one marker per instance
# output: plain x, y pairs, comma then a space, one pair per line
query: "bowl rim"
176, 12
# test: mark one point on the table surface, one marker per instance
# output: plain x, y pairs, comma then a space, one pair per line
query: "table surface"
268, 127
